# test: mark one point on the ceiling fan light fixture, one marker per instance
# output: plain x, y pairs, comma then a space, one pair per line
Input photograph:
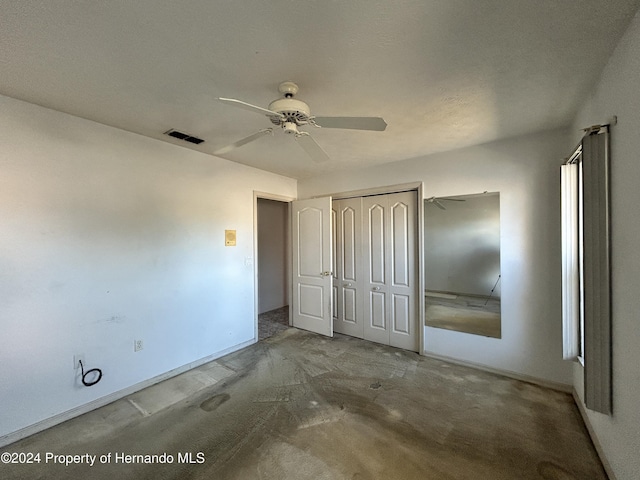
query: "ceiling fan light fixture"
290, 128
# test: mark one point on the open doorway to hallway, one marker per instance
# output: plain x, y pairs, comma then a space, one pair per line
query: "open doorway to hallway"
273, 254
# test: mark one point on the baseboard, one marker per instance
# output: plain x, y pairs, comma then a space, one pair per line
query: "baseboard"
112, 397
561, 387
450, 296
594, 437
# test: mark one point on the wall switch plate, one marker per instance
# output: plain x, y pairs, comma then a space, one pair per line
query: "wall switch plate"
77, 358
230, 238
137, 345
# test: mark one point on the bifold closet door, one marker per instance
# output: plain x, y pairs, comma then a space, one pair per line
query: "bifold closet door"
347, 267
389, 259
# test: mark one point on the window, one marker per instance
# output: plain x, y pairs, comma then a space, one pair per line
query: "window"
586, 292
572, 315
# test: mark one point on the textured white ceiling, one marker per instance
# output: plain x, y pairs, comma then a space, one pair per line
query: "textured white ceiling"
443, 73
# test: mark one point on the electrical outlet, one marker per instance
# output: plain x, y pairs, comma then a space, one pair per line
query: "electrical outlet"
137, 345
77, 358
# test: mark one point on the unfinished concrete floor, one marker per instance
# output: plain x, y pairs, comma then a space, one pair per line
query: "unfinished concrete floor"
302, 406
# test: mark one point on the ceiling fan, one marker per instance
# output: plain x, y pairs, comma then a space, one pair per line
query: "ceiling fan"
437, 201
289, 113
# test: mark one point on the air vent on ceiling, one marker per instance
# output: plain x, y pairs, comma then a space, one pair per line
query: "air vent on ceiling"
184, 136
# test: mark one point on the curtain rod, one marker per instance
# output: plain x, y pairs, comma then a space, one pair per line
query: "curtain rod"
593, 129
596, 128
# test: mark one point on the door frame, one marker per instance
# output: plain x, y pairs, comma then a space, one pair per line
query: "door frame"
402, 187
280, 198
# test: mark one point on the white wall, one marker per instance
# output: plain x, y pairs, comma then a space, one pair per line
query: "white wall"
525, 171
107, 237
462, 245
617, 93
273, 221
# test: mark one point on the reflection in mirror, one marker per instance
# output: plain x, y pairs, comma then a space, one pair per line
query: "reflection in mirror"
462, 263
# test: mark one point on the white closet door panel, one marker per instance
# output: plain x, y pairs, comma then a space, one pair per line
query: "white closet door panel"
376, 269
349, 301
377, 243
349, 246
336, 303
378, 310
402, 286
349, 273
376, 330
401, 314
334, 242
375, 247
400, 244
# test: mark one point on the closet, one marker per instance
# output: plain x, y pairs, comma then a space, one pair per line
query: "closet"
374, 268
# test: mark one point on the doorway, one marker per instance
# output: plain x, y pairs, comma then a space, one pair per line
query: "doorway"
272, 251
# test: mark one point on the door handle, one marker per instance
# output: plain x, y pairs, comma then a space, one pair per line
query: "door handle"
346, 285
325, 274
375, 289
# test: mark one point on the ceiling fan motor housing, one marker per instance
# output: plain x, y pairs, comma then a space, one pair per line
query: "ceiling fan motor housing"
294, 111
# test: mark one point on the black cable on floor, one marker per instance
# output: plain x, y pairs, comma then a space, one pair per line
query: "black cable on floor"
84, 375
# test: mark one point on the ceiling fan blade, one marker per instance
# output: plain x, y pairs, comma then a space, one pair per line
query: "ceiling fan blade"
252, 108
356, 123
243, 141
310, 146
